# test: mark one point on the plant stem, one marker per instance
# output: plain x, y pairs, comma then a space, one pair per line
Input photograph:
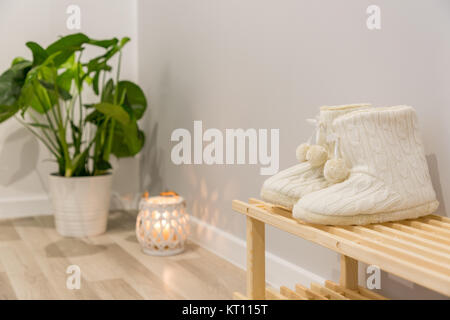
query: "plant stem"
79, 87
60, 118
69, 112
97, 148
103, 84
62, 131
107, 151
116, 92
44, 131
50, 121
38, 136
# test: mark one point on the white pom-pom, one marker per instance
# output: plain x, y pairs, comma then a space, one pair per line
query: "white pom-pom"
301, 151
335, 170
316, 155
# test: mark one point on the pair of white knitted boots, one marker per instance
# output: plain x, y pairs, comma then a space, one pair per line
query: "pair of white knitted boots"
368, 166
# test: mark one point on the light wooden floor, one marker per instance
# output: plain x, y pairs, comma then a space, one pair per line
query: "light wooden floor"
34, 259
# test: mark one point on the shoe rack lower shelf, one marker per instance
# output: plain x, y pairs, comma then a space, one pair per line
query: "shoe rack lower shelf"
417, 250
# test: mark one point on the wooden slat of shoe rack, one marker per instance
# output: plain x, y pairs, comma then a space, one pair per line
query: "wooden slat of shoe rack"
416, 250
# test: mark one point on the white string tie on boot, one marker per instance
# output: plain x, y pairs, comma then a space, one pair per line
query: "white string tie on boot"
335, 169
315, 154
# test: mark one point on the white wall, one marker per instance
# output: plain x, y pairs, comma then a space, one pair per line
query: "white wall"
270, 64
23, 170
243, 64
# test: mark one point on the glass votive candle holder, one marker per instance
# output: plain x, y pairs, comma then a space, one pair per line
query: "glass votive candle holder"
162, 224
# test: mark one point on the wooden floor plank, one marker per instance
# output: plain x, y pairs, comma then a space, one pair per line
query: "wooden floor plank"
100, 258
115, 289
50, 258
34, 259
192, 274
6, 289
24, 273
7, 231
145, 281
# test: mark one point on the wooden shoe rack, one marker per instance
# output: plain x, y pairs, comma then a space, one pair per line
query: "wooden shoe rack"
416, 250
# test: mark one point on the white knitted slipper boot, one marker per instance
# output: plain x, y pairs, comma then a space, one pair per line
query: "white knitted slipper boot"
388, 180
289, 185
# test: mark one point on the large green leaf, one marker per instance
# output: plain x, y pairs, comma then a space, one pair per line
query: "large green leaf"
128, 140
38, 91
39, 54
123, 42
17, 60
108, 92
95, 82
95, 117
28, 98
101, 62
70, 63
61, 91
98, 64
104, 43
65, 47
70, 41
114, 111
7, 112
134, 98
11, 82
65, 79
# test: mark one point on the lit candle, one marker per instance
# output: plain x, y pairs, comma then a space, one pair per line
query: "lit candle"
162, 224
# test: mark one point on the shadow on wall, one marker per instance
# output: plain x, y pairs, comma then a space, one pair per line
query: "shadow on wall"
153, 156
205, 199
19, 157
151, 162
434, 173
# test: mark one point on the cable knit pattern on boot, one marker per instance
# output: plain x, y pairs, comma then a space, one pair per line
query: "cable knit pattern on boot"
389, 178
289, 185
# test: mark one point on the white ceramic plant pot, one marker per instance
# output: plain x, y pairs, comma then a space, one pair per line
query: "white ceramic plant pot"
80, 204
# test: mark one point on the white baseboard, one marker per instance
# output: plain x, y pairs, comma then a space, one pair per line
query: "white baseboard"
25, 207
20, 207
278, 271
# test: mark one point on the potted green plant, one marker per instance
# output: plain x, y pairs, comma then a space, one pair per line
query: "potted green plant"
49, 97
